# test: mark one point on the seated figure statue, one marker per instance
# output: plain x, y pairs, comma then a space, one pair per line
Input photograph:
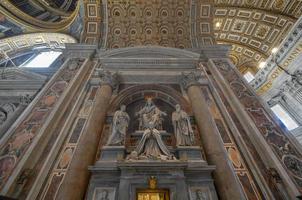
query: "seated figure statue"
151, 145
149, 113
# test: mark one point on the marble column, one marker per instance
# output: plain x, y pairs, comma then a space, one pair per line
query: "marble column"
226, 181
77, 176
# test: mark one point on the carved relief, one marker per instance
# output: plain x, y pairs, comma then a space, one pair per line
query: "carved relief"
104, 193
200, 193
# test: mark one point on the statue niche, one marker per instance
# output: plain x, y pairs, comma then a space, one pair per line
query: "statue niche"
150, 118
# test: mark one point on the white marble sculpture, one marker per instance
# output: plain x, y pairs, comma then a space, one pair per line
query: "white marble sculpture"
182, 127
119, 128
150, 114
151, 145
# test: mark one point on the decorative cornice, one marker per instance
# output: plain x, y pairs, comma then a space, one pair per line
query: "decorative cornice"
190, 79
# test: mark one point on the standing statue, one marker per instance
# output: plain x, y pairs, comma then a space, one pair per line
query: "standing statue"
150, 114
120, 125
182, 127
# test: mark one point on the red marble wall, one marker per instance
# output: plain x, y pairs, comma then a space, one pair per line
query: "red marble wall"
276, 138
22, 137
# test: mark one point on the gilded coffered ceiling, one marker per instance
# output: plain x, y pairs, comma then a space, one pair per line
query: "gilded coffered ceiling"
136, 23
159, 22
252, 27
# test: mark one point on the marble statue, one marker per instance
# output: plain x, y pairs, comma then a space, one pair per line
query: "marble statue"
151, 145
150, 114
119, 128
182, 127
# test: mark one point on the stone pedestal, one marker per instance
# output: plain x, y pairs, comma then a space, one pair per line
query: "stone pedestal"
181, 179
189, 153
122, 179
112, 153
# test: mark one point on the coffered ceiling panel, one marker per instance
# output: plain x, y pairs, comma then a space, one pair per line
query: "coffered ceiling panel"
135, 23
253, 27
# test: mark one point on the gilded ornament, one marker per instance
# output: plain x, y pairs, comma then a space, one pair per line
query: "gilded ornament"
152, 182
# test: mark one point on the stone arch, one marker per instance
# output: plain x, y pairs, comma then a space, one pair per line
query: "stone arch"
138, 92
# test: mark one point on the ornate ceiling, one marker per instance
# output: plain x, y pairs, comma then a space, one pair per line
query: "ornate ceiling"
30, 16
158, 22
164, 23
252, 27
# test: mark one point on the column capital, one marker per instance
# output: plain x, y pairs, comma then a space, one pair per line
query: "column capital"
190, 79
108, 78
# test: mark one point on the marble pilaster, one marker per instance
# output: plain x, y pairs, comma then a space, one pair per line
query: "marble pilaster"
77, 177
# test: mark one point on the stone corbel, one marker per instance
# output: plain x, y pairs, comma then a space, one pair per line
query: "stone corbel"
190, 79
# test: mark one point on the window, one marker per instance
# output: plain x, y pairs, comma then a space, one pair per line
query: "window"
42, 60
284, 117
248, 76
